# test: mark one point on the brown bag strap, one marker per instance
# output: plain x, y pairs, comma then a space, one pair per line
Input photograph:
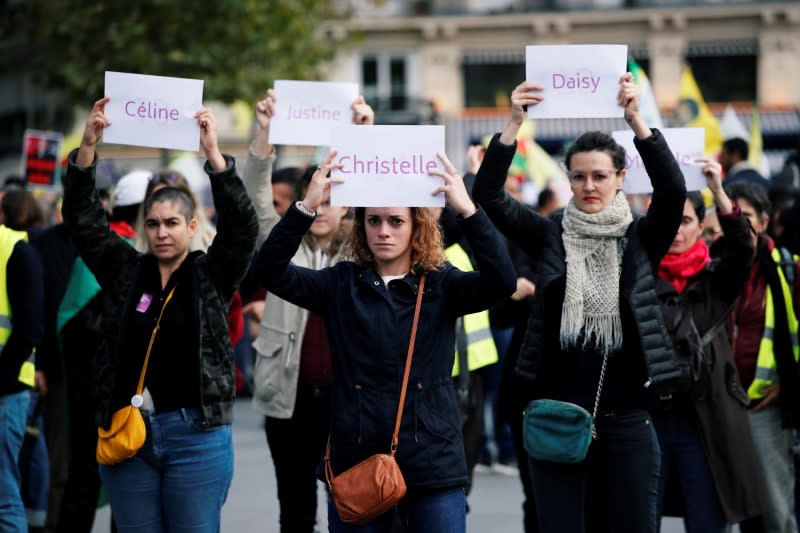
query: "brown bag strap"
420, 290
140, 386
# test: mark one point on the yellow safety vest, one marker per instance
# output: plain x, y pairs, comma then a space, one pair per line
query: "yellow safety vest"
8, 239
481, 350
766, 367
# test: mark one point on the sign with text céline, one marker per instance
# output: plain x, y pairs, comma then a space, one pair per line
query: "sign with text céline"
154, 111
387, 166
580, 81
40, 157
687, 144
307, 110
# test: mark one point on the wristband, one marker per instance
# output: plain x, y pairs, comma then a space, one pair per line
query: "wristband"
300, 207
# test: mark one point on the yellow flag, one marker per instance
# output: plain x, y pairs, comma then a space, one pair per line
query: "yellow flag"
694, 113
756, 146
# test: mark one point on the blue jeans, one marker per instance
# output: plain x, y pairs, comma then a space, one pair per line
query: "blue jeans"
442, 511
613, 490
13, 416
177, 481
682, 454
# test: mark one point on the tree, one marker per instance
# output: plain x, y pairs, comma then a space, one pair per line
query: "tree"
239, 47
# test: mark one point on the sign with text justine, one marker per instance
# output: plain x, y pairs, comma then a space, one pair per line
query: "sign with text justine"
687, 144
387, 166
580, 81
307, 110
155, 111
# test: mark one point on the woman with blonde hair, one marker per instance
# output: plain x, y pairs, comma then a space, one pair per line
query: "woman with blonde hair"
368, 305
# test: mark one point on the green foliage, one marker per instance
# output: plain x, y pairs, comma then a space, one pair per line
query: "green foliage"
239, 47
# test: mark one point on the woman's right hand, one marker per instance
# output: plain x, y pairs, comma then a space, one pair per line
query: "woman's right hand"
523, 95
93, 132
321, 181
265, 110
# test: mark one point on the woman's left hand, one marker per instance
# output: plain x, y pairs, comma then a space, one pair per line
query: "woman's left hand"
712, 170
454, 191
208, 138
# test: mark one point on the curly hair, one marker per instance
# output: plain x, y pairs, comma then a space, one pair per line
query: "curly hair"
426, 240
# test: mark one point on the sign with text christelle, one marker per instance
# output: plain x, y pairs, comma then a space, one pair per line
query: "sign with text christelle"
387, 166
686, 144
307, 110
580, 81
155, 111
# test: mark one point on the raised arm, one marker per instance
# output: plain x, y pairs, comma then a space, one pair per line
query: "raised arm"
272, 268
469, 292
516, 221
736, 249
229, 255
658, 227
257, 175
106, 255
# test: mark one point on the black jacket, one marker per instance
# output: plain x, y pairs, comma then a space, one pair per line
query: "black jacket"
720, 412
215, 275
368, 325
646, 356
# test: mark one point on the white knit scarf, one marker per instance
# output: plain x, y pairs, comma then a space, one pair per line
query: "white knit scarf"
594, 245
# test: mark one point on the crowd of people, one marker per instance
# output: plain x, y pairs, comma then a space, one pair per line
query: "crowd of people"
672, 322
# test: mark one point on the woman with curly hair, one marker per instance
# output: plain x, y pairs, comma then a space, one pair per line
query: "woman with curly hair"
368, 306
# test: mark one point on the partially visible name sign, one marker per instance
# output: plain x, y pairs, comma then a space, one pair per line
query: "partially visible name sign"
580, 81
153, 111
687, 144
307, 110
40, 157
387, 166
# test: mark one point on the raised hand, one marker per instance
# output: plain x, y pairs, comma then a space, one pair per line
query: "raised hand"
523, 95
92, 133
321, 181
712, 170
362, 112
454, 191
208, 138
628, 98
265, 110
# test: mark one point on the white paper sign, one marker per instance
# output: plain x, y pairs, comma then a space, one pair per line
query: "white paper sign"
387, 166
153, 111
687, 144
580, 81
307, 110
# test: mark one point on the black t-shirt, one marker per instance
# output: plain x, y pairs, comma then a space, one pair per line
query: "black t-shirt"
173, 372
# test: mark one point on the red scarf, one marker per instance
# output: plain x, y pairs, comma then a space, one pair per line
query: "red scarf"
678, 269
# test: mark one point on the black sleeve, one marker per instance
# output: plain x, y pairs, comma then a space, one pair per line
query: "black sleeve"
736, 252
658, 227
26, 298
231, 251
516, 221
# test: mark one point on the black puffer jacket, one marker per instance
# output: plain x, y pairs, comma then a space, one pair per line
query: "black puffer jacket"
646, 355
216, 276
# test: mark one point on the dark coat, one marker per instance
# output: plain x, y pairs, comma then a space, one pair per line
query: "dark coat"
646, 356
368, 327
215, 277
721, 412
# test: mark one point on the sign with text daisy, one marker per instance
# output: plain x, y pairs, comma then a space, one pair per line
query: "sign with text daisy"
580, 81
154, 111
387, 166
687, 144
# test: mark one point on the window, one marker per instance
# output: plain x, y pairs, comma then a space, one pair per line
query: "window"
490, 84
725, 71
385, 79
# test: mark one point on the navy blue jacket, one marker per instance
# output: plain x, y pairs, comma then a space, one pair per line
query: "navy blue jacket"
368, 327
